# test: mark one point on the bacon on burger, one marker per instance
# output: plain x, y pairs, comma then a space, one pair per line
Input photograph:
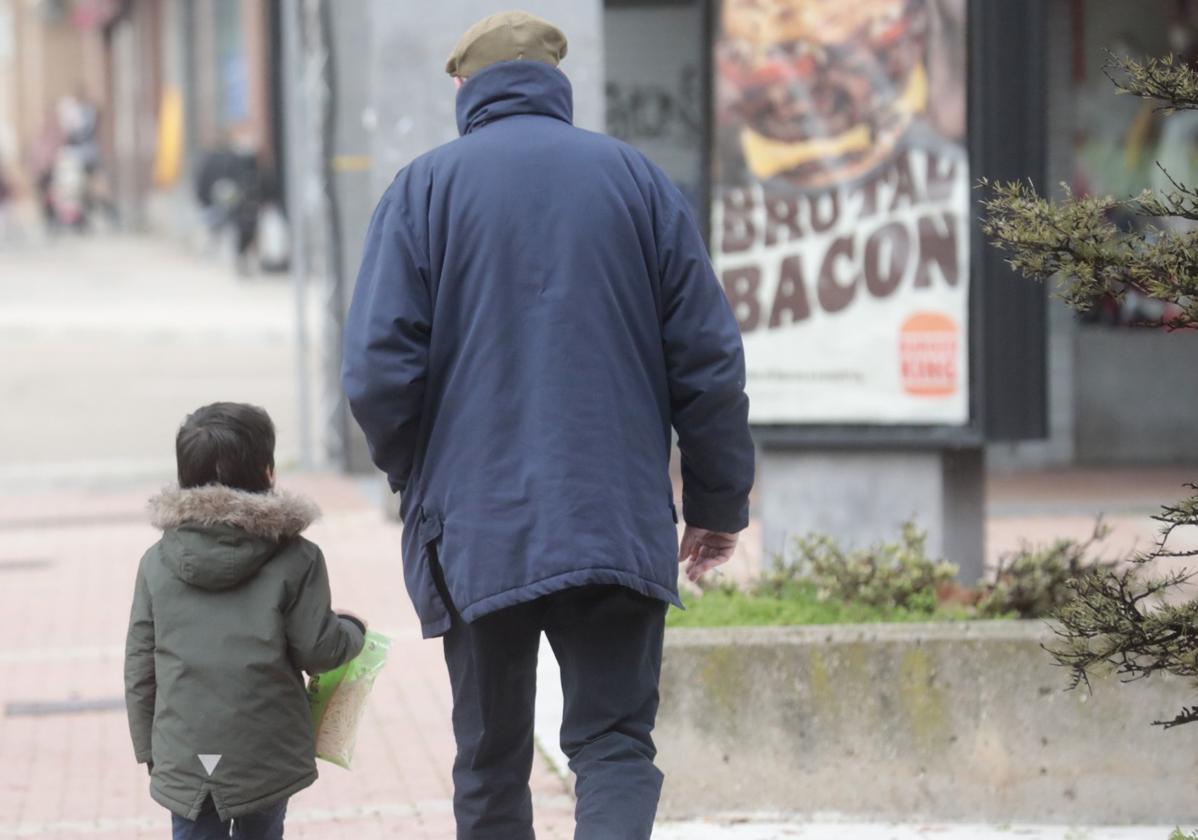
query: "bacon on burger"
823, 89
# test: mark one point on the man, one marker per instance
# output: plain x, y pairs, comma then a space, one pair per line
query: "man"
534, 309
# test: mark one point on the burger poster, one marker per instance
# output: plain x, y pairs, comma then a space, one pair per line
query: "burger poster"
841, 207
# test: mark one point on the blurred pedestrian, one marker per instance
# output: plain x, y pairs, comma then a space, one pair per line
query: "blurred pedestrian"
80, 185
534, 309
79, 120
229, 188
228, 607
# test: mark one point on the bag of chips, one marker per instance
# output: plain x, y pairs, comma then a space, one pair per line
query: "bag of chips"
338, 698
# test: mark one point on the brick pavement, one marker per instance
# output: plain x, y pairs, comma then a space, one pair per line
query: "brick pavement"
67, 562
1038, 508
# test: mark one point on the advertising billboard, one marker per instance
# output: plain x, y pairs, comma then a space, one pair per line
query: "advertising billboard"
840, 226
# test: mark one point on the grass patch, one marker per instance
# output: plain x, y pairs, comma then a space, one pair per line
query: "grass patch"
820, 582
794, 603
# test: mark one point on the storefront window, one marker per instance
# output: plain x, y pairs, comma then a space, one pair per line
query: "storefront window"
1120, 140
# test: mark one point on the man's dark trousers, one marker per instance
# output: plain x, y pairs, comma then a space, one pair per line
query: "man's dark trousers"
608, 642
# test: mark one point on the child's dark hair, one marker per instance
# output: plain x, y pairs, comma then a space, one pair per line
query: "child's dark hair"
226, 443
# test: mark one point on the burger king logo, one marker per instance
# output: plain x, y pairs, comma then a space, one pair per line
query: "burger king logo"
928, 355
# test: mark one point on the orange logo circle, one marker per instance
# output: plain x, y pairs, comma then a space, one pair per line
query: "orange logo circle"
928, 355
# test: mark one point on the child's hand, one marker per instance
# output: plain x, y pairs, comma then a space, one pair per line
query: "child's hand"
349, 616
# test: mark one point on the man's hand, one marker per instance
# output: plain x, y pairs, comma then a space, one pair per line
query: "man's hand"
703, 550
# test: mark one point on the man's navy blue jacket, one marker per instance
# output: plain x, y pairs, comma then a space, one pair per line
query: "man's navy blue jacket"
535, 308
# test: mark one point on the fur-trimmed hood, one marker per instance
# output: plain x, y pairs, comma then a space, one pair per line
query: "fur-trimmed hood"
215, 537
273, 515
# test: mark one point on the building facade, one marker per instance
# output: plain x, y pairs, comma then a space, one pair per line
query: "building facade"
47, 52
170, 79
848, 344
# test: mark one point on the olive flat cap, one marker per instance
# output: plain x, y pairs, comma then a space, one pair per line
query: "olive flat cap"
506, 36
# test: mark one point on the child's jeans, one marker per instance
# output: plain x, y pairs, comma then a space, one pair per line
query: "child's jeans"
266, 824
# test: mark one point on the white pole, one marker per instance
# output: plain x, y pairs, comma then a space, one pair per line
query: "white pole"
297, 160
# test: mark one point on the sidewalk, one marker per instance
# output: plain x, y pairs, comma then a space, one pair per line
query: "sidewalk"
869, 831
110, 283
67, 560
116, 338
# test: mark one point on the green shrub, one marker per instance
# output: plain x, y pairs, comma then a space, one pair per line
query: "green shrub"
886, 575
1178, 834
1035, 582
821, 583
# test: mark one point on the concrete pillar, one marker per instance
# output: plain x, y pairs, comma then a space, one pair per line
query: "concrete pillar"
124, 115
351, 164
860, 497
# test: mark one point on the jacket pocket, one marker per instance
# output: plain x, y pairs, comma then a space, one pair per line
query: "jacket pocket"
429, 530
426, 583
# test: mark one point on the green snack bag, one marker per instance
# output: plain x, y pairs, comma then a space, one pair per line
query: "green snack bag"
337, 699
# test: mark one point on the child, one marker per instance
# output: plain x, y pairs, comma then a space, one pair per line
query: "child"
229, 607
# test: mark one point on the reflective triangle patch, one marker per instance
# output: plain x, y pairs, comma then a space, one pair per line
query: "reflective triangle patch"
209, 762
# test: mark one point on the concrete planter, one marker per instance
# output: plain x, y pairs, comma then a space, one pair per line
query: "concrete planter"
941, 721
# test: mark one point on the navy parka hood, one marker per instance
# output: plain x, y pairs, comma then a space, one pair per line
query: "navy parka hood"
510, 88
535, 308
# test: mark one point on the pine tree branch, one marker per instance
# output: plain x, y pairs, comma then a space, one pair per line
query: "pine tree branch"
1074, 243
1188, 714
1121, 621
1168, 79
